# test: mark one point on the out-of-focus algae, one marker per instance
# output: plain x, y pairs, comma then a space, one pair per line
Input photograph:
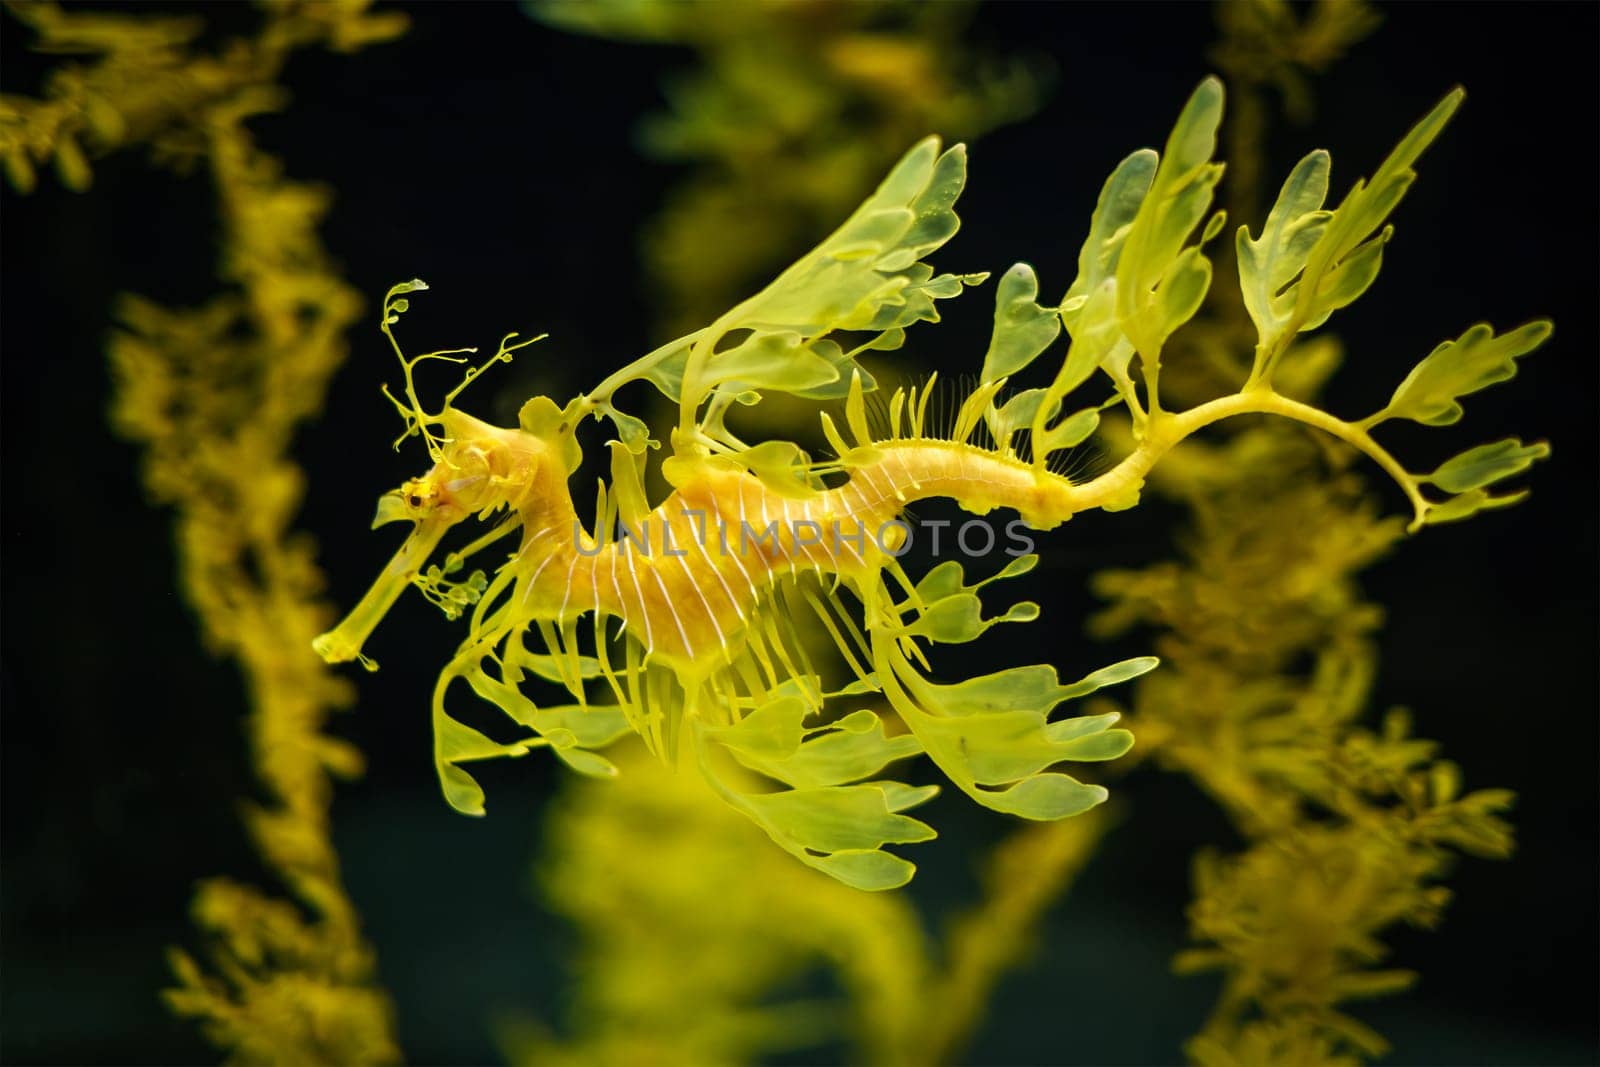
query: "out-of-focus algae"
215, 395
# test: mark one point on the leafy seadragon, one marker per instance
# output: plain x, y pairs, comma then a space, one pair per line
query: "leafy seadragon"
709, 586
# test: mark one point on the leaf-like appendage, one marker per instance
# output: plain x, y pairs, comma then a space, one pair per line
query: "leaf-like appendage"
1022, 329
1089, 310
1070, 431
771, 732
950, 611
1181, 291
1136, 282
1096, 340
992, 736
1125, 671
822, 820
1017, 413
571, 731
1294, 225
866, 276
1483, 466
841, 830
1349, 252
1466, 505
843, 755
634, 433
1120, 199
780, 360
1178, 200
1476, 360
455, 743
1470, 475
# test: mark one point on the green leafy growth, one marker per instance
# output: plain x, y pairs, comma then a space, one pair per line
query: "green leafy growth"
1487, 464
1268, 266
823, 821
858, 749
1022, 328
1161, 280
1309, 262
571, 731
1017, 413
1470, 474
853, 748
867, 277
841, 830
992, 735
1139, 279
948, 611
1120, 198
454, 744
1431, 394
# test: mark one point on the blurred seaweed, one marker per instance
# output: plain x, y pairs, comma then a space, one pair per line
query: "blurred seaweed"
215, 394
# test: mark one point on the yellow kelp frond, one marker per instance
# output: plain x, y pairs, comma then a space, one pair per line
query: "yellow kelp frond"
286, 990
1295, 923
146, 82
709, 586
215, 395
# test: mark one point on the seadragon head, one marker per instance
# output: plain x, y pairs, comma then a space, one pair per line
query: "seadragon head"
478, 469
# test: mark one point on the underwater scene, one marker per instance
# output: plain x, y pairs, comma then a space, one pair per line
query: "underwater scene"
718, 532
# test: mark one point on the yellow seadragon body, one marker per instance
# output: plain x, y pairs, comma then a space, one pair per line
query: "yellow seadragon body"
711, 587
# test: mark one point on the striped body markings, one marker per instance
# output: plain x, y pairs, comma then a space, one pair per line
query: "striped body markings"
688, 581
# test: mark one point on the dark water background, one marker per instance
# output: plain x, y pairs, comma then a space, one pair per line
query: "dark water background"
494, 157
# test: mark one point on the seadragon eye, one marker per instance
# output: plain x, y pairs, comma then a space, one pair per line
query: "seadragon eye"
410, 502
418, 496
